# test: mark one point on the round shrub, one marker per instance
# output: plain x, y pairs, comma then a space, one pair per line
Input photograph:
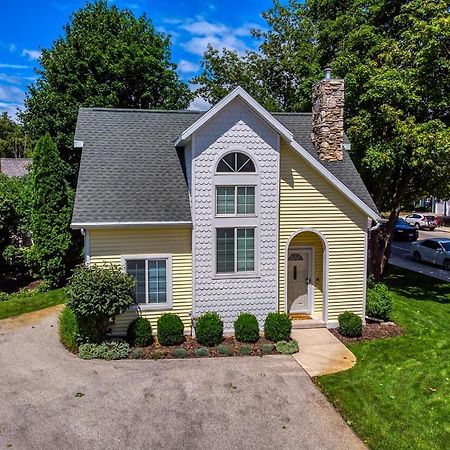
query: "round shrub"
287, 347
379, 302
277, 327
97, 295
139, 332
209, 329
170, 329
350, 324
246, 328
68, 329
180, 353
201, 352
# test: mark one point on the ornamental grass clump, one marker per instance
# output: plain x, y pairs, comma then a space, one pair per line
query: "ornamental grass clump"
209, 329
277, 327
170, 329
139, 333
246, 328
379, 302
97, 295
350, 324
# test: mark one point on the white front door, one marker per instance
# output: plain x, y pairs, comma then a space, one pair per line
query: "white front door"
298, 280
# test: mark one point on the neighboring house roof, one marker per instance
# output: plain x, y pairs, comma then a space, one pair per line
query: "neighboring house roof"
131, 173
15, 167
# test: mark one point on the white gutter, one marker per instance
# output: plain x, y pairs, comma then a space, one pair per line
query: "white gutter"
75, 225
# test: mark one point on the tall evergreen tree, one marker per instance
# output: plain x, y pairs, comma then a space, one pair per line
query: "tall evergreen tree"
52, 252
107, 58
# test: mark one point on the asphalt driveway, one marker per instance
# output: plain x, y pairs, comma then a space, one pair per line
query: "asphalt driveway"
49, 399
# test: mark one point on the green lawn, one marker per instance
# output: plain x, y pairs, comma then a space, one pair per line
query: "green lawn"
398, 394
11, 308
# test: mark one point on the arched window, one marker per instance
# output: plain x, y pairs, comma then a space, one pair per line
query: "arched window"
236, 162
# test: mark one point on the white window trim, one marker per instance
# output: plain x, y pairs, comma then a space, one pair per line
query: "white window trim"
236, 274
235, 186
169, 282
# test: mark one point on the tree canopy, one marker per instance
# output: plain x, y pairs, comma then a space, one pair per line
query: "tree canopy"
13, 141
106, 58
394, 56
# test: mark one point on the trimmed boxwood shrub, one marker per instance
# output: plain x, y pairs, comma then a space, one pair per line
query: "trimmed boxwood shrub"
277, 327
68, 329
246, 328
209, 329
350, 324
170, 329
139, 332
379, 302
97, 295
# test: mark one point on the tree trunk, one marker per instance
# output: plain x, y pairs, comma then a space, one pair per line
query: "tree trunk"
380, 241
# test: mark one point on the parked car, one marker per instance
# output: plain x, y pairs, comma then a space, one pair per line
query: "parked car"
436, 251
403, 231
421, 221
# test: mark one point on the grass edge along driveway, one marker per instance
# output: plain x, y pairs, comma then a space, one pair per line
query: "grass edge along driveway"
398, 394
17, 306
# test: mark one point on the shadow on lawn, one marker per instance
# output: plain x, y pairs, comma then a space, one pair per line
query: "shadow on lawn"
416, 286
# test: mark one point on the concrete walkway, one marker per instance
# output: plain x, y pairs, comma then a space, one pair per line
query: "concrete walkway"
321, 353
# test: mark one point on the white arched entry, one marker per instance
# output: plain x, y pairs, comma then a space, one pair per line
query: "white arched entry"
306, 273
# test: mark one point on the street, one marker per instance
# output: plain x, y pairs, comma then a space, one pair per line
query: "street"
401, 256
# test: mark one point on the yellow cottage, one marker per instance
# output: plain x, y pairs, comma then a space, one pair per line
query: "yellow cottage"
231, 210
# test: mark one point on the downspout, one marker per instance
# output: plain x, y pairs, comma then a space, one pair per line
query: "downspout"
87, 254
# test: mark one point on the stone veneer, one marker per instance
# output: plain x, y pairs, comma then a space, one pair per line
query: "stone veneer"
328, 119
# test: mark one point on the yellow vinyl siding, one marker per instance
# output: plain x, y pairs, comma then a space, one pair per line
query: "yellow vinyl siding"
308, 239
308, 200
109, 245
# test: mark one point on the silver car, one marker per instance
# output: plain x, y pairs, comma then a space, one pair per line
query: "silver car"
436, 251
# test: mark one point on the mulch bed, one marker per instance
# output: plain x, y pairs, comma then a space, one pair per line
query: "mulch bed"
157, 351
372, 331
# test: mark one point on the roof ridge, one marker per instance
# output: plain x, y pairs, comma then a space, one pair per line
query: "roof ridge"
134, 110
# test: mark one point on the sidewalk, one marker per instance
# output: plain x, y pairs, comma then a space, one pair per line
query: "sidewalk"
321, 353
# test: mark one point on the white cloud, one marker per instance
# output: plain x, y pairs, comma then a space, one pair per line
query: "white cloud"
11, 94
198, 104
187, 66
12, 66
31, 54
9, 78
12, 48
218, 35
11, 109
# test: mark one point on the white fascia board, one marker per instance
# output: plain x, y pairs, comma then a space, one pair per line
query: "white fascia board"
339, 185
237, 92
78, 144
76, 226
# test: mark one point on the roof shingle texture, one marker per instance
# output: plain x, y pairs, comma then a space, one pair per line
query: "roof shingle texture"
14, 167
130, 170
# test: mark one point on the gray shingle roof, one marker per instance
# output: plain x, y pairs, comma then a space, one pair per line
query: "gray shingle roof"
130, 170
14, 167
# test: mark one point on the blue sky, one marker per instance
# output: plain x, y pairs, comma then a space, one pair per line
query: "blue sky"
27, 26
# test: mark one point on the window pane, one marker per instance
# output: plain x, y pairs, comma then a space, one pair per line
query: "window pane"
227, 163
244, 163
157, 282
236, 162
246, 200
136, 268
225, 250
245, 249
225, 199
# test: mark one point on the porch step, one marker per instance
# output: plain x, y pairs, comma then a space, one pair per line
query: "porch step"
309, 323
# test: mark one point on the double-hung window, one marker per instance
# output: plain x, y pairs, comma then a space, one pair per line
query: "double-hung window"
235, 200
235, 250
153, 280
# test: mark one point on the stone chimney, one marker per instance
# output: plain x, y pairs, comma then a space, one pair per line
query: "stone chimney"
328, 118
